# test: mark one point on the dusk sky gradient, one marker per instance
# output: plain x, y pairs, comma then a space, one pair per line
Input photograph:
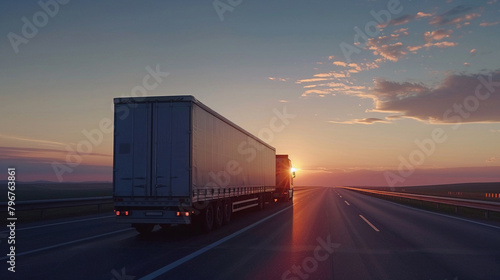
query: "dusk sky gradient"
359, 90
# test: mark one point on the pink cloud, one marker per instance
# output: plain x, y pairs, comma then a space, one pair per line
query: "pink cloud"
437, 35
311, 80
454, 16
360, 121
320, 92
422, 14
444, 44
330, 74
277, 79
388, 51
340, 63
484, 24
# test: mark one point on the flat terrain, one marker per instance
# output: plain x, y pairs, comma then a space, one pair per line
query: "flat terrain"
326, 233
38, 191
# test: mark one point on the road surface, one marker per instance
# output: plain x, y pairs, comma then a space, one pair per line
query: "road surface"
327, 233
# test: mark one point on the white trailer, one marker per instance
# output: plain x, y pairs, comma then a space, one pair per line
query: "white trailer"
176, 161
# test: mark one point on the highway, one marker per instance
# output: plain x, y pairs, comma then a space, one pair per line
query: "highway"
327, 233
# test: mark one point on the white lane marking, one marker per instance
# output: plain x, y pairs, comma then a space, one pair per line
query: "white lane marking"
63, 223
179, 262
68, 243
368, 222
347, 202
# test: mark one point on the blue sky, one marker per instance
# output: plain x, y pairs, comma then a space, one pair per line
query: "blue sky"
355, 116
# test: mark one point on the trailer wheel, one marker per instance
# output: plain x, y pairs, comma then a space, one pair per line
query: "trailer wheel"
144, 228
207, 218
228, 210
219, 214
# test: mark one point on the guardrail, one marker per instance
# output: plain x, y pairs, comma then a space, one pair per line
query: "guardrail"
43, 205
487, 206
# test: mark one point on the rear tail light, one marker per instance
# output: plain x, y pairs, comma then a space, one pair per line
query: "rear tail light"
122, 213
182, 214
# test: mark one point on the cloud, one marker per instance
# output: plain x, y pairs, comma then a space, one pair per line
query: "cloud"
339, 63
422, 14
404, 19
311, 80
336, 81
403, 31
330, 74
36, 141
484, 24
401, 20
41, 154
320, 92
444, 44
277, 79
491, 159
332, 88
473, 52
380, 47
360, 121
458, 99
437, 35
454, 16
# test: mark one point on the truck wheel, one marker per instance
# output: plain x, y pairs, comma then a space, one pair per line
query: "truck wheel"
207, 218
144, 228
228, 210
219, 214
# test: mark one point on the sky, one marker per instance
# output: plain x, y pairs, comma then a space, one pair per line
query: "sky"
359, 93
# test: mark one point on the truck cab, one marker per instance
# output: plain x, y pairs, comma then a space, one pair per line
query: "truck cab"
284, 178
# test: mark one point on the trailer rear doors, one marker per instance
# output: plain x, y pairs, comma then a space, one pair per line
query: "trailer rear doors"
152, 152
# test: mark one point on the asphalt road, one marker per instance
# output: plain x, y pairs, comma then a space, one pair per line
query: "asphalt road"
327, 233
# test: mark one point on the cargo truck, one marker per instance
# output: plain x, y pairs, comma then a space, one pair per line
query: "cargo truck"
176, 161
284, 178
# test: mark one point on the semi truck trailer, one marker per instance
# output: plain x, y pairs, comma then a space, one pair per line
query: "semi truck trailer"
176, 161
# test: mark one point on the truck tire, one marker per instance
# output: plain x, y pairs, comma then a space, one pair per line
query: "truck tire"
228, 211
218, 214
144, 228
207, 218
